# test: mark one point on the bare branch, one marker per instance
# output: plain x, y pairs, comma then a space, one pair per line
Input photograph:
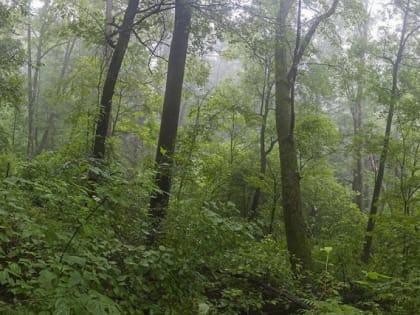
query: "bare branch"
271, 146
308, 37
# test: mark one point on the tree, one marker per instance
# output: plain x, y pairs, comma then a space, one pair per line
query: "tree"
108, 30
44, 37
262, 54
34, 76
30, 147
286, 73
47, 137
170, 114
111, 80
266, 92
11, 58
393, 99
356, 96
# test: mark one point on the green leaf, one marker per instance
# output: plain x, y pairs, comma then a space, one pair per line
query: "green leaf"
61, 307
14, 269
4, 276
46, 278
327, 249
163, 151
372, 275
203, 308
75, 278
75, 260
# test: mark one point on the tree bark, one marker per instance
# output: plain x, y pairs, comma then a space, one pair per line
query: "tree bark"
367, 248
105, 107
170, 115
191, 146
34, 76
30, 147
264, 110
357, 114
286, 73
297, 241
108, 31
48, 135
357, 182
357, 171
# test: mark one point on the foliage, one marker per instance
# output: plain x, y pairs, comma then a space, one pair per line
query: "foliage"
333, 306
316, 137
74, 231
63, 249
11, 58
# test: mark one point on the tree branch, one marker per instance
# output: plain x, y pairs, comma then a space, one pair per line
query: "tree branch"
308, 37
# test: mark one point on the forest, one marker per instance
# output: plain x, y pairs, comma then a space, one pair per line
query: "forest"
205, 157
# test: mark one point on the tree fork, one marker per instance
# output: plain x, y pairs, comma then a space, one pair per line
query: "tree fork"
286, 73
105, 107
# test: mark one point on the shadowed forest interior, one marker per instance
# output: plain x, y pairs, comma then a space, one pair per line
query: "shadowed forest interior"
209, 157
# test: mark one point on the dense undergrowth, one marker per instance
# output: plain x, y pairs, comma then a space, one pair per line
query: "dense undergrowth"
71, 246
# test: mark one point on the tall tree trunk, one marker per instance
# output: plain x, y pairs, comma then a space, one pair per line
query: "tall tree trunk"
105, 109
264, 110
30, 147
48, 135
275, 198
170, 115
286, 73
191, 147
367, 248
357, 182
108, 31
357, 114
33, 77
297, 241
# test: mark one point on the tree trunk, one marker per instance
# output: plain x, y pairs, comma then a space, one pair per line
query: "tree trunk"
48, 135
367, 248
170, 115
275, 198
286, 73
33, 77
108, 31
111, 80
357, 182
357, 114
264, 110
30, 147
297, 241
191, 147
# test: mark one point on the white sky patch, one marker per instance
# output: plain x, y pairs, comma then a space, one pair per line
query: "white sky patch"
36, 4
383, 20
